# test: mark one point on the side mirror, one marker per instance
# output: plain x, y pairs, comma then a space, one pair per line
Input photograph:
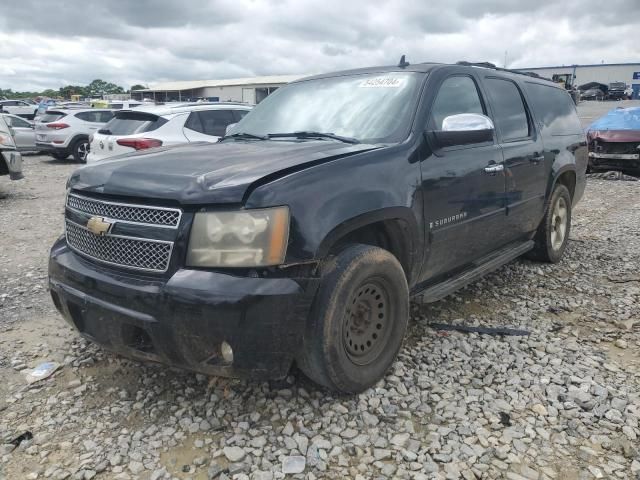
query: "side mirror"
463, 129
229, 127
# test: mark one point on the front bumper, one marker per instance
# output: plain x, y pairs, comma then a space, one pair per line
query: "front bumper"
623, 161
183, 320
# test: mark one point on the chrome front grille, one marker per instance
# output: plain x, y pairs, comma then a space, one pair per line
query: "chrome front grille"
119, 250
160, 216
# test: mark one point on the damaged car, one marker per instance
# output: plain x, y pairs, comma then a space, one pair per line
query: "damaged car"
301, 235
614, 141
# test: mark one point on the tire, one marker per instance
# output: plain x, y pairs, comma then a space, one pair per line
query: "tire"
358, 320
79, 150
60, 155
553, 233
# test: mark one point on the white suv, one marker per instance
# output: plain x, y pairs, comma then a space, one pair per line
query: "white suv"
157, 125
64, 132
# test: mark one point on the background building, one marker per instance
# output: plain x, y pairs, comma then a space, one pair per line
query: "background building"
605, 73
249, 90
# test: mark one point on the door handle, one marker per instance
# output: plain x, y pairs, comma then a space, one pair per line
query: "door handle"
493, 169
536, 159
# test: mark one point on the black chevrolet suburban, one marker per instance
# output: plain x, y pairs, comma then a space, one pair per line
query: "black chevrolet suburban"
302, 234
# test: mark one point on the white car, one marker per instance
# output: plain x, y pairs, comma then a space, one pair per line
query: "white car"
63, 132
170, 124
19, 108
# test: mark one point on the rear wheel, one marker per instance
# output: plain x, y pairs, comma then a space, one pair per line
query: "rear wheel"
80, 149
357, 321
553, 233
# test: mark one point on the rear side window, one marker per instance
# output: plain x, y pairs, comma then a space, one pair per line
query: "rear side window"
456, 95
51, 116
104, 117
128, 123
510, 116
554, 108
93, 117
239, 114
210, 122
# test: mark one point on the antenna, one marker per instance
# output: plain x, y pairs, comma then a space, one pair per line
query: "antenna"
403, 63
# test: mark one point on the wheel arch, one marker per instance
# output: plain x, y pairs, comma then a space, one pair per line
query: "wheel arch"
395, 229
567, 176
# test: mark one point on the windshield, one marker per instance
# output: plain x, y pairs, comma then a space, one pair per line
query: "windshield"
372, 108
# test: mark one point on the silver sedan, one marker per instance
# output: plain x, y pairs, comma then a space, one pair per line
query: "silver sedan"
22, 131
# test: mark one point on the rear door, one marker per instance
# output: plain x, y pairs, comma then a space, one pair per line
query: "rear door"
526, 166
463, 202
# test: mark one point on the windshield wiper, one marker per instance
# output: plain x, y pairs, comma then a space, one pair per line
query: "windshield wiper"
245, 135
313, 135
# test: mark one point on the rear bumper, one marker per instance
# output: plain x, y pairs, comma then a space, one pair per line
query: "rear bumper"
12, 164
183, 320
51, 147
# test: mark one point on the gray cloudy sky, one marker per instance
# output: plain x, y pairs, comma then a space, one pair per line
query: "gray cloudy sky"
46, 44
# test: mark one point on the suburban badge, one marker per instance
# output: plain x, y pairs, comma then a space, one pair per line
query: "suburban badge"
99, 226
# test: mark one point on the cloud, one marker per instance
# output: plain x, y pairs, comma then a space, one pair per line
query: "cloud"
149, 41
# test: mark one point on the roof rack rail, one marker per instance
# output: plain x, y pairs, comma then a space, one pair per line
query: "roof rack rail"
493, 67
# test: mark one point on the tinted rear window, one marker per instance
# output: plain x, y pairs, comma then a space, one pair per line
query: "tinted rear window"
510, 115
51, 116
555, 109
128, 123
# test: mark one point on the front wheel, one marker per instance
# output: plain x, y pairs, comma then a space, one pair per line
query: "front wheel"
553, 233
80, 150
357, 321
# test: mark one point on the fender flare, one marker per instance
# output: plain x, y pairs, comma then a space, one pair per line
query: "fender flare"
411, 238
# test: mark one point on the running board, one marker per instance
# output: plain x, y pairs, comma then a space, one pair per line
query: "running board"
478, 269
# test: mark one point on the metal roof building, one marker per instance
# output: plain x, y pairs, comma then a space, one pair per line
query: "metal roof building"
248, 90
605, 73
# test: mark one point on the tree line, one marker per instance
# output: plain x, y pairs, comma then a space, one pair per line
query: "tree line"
96, 88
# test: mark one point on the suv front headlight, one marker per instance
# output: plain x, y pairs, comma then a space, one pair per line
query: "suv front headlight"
245, 238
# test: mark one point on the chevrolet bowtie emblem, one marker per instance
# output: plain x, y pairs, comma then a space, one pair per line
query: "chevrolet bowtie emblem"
99, 226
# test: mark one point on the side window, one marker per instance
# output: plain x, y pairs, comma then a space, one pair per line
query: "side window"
22, 104
104, 117
194, 123
239, 114
89, 116
214, 122
19, 123
457, 94
510, 115
554, 108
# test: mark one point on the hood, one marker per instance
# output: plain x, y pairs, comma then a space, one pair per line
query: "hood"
625, 136
619, 125
199, 173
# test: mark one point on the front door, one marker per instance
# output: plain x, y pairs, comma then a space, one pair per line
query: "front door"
463, 187
23, 133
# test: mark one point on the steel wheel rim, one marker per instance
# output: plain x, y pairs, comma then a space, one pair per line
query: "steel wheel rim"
559, 222
366, 325
83, 150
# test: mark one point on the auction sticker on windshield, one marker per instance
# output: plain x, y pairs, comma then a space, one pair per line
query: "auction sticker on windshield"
382, 82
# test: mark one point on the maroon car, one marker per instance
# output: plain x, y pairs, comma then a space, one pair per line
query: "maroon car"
614, 141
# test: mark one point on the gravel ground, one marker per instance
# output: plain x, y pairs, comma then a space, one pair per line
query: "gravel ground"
560, 403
